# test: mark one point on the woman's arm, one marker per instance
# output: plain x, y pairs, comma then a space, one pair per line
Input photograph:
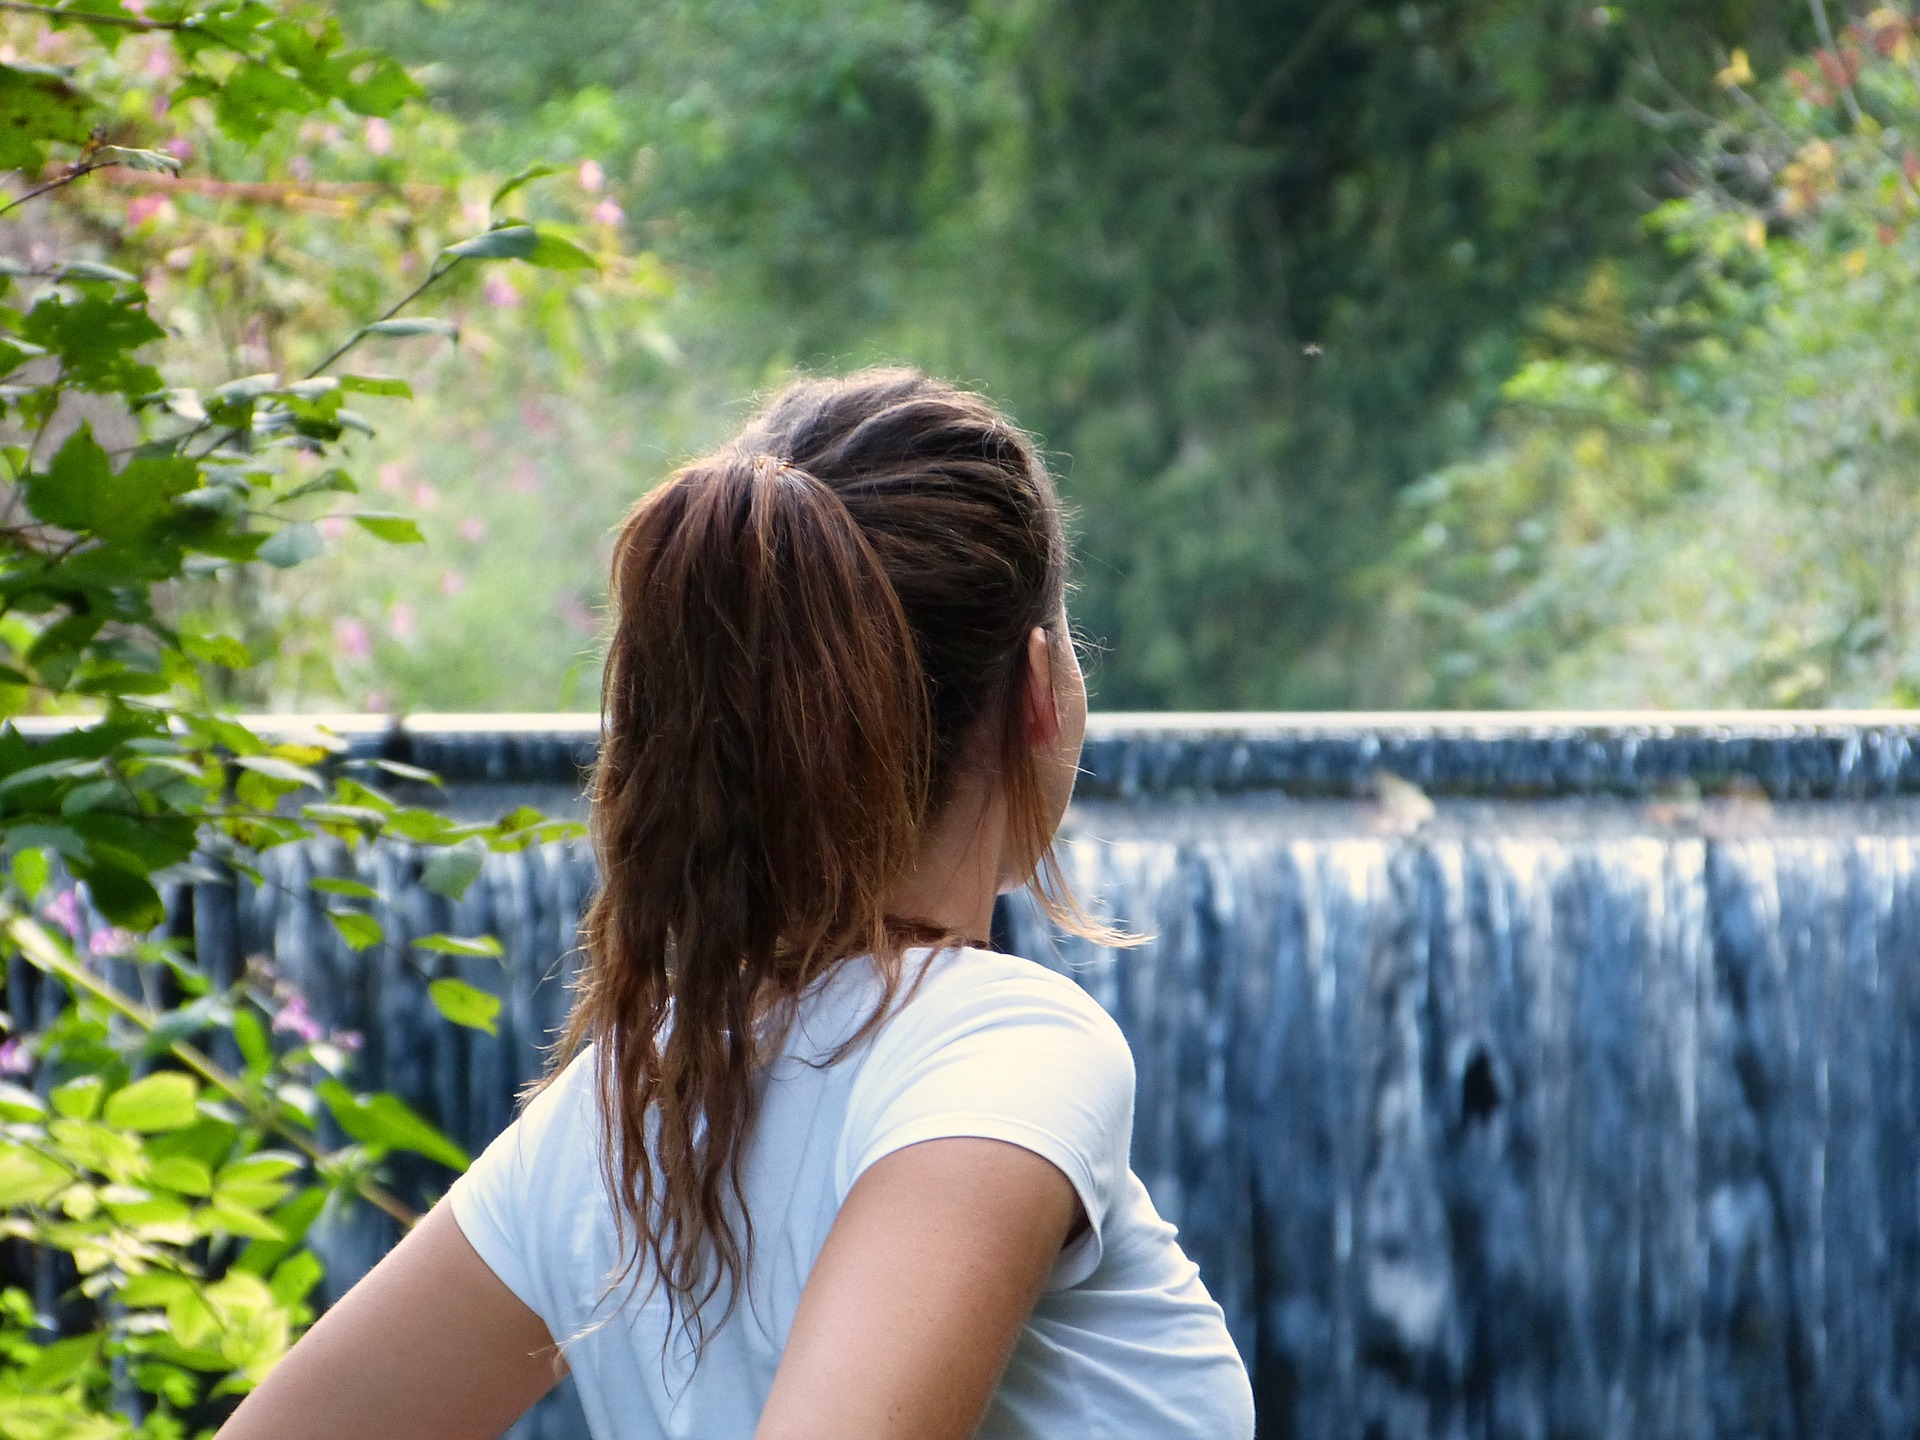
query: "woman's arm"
931, 1269
430, 1346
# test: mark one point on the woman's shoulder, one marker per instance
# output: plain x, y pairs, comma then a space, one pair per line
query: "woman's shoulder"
956, 992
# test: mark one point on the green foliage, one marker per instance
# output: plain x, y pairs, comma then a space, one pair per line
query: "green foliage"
1249, 268
149, 480
1704, 496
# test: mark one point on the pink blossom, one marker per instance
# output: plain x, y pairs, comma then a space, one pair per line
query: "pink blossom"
401, 621
425, 497
179, 147
349, 1040
376, 703
526, 478
499, 291
473, 530
64, 911
352, 639
608, 213
142, 208
300, 168
578, 615
379, 136
534, 418
591, 176
110, 940
334, 527
295, 1019
159, 61
452, 583
15, 1058
393, 475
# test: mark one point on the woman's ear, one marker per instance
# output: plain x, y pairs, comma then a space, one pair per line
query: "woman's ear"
1039, 708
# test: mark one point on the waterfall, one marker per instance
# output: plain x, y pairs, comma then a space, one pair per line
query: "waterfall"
1507, 1076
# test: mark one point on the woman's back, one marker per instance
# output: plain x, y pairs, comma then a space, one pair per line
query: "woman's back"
1124, 1340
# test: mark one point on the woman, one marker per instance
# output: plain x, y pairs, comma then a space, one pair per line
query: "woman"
819, 1164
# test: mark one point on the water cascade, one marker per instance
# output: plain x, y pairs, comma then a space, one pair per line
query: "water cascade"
1508, 1076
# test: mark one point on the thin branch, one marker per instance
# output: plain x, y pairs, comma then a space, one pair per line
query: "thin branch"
67, 179
394, 309
41, 950
1821, 24
79, 17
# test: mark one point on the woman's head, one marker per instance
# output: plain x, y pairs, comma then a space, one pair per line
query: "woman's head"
824, 632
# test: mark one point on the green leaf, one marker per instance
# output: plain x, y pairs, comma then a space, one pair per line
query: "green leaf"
182, 1174
158, 1102
78, 1099
376, 385
251, 1036
30, 869
27, 1177
479, 946
291, 545
328, 885
19, 1103
394, 529
153, 161
357, 929
38, 105
466, 1005
221, 650
504, 242
451, 871
294, 1277
332, 481
124, 896
389, 1122
285, 771
94, 270
80, 492
520, 179
418, 325
96, 337
556, 252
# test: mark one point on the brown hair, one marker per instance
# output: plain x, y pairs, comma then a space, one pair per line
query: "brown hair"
812, 624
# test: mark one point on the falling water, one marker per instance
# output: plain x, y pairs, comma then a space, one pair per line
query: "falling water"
1519, 1077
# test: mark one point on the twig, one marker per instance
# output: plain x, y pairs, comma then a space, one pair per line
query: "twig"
1821, 24
41, 951
67, 179
81, 17
405, 300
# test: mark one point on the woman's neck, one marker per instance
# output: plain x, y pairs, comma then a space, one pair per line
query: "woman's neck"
954, 883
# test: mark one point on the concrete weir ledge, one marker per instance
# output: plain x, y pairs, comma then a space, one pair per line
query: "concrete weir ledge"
1783, 755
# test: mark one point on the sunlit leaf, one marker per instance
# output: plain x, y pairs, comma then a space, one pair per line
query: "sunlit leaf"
466, 1005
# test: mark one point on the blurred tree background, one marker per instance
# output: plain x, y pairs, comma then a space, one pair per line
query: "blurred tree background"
1261, 275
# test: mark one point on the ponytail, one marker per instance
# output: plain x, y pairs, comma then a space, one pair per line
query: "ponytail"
810, 626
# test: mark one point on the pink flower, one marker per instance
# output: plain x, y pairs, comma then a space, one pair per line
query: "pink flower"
425, 496
499, 291
179, 147
526, 479
578, 615
379, 136
400, 620
295, 1019
591, 176
608, 213
142, 208
473, 530
452, 583
352, 639
334, 527
300, 168
393, 475
64, 911
376, 703
15, 1058
110, 940
349, 1040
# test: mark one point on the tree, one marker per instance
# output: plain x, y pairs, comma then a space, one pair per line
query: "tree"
140, 492
1704, 496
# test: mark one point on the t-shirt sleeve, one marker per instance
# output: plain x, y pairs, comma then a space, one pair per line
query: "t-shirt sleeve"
1019, 1055
499, 1201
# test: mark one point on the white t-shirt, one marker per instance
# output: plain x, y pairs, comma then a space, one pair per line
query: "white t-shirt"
1125, 1342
